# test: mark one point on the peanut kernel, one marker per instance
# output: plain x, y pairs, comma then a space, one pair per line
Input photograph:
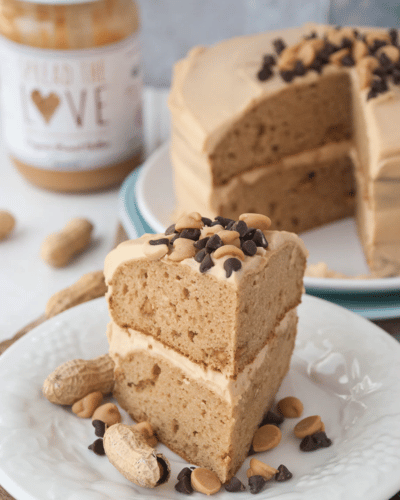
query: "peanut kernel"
189, 221
228, 250
257, 221
262, 469
155, 252
360, 50
391, 52
85, 407
183, 249
107, 413
229, 237
336, 57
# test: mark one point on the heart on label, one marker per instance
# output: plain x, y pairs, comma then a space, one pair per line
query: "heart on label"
46, 105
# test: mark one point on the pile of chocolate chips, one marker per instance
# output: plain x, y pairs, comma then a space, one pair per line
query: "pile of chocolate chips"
250, 239
387, 70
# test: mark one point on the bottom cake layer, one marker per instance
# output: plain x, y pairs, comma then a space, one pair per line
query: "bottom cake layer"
203, 416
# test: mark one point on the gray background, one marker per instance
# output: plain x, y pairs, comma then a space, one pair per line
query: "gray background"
171, 27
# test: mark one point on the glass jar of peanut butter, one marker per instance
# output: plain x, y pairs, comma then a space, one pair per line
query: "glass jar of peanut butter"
71, 83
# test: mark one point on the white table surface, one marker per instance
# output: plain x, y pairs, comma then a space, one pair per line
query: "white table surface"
26, 281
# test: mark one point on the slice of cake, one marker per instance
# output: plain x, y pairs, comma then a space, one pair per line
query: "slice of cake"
291, 123
203, 328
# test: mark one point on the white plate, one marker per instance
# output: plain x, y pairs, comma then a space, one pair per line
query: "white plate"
336, 244
344, 368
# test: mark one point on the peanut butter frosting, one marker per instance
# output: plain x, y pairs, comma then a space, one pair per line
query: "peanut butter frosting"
123, 341
229, 261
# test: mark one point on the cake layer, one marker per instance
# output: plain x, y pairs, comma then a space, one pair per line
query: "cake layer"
288, 190
189, 407
218, 321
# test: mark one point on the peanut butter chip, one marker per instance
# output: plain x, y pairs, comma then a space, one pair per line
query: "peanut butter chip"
183, 249
205, 481
258, 221
228, 250
291, 407
189, 221
261, 469
267, 437
308, 426
155, 252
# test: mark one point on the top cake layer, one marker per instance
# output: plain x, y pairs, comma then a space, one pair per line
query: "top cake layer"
212, 290
213, 88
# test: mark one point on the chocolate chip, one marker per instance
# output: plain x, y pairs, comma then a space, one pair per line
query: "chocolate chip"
184, 472
348, 61
283, 474
175, 237
206, 264
371, 94
259, 239
327, 50
184, 486
279, 45
97, 447
200, 255
312, 35
380, 71
269, 60
231, 265
265, 73
396, 76
249, 248
206, 221
191, 234
213, 243
346, 43
99, 427
377, 44
251, 451
379, 85
393, 33
229, 226
316, 65
249, 234
161, 241
315, 442
287, 76
299, 68
272, 418
385, 60
256, 484
235, 485
170, 230
224, 221
200, 244
240, 226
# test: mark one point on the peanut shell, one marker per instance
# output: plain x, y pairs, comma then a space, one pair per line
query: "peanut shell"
129, 453
74, 379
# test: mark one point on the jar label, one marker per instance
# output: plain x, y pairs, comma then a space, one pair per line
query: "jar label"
71, 110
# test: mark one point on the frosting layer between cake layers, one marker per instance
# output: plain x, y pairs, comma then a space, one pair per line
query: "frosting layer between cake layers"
126, 341
226, 121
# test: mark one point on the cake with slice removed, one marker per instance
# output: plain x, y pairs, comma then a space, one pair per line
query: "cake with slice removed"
203, 324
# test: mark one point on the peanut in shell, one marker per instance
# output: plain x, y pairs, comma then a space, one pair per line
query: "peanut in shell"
129, 453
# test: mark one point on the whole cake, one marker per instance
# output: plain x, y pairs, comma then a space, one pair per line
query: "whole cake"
299, 124
203, 325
